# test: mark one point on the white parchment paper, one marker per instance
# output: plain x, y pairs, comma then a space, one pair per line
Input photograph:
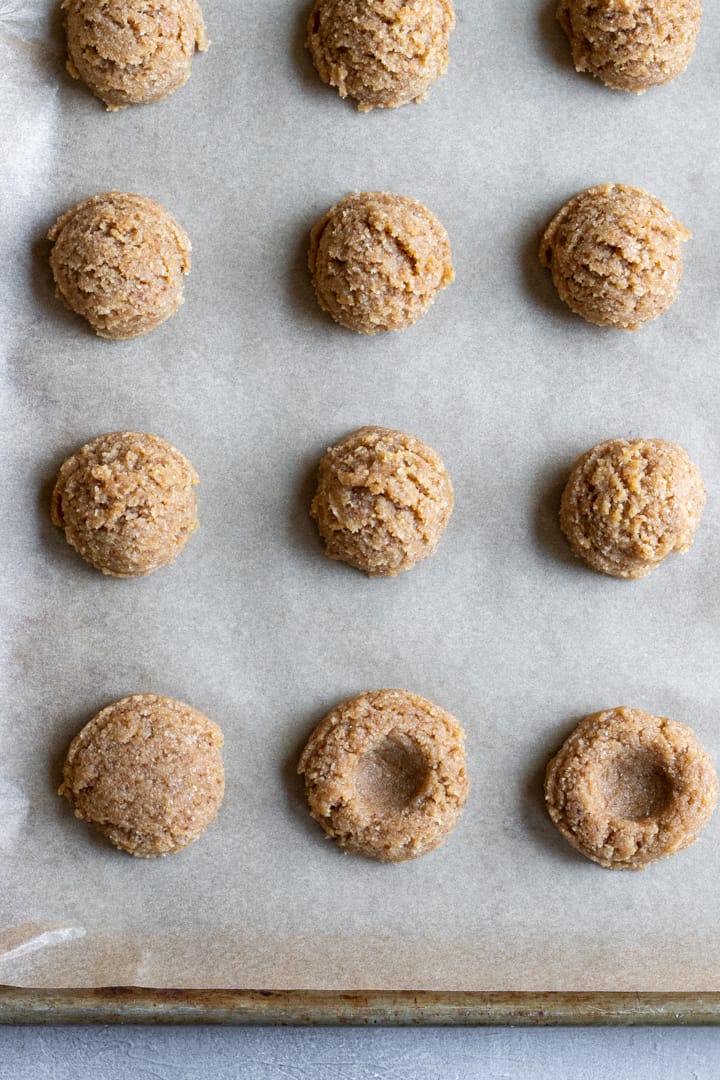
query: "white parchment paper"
253, 625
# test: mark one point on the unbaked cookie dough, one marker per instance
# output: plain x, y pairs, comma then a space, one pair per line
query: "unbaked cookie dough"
118, 259
631, 44
126, 502
378, 261
614, 254
385, 775
383, 500
382, 53
147, 772
628, 788
130, 52
629, 503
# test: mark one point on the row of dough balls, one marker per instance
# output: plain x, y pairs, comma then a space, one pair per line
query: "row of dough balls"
383, 499
382, 53
385, 777
377, 260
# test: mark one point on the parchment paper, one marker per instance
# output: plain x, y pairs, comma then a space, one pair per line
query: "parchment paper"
253, 625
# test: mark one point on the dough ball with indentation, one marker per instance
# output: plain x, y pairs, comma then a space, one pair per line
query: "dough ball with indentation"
628, 788
378, 261
147, 772
118, 259
631, 44
615, 255
131, 52
385, 775
383, 500
382, 53
126, 502
629, 503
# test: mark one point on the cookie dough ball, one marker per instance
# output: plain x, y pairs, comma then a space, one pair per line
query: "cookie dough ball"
378, 261
614, 254
383, 500
630, 503
126, 503
385, 775
148, 773
118, 260
631, 44
129, 52
628, 788
382, 53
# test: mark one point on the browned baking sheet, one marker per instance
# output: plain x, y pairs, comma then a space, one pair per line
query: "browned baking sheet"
252, 625
382, 1008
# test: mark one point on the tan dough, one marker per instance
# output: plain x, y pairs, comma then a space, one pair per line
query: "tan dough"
382, 53
147, 772
378, 261
630, 503
126, 502
383, 500
385, 775
631, 44
614, 253
118, 259
130, 52
628, 788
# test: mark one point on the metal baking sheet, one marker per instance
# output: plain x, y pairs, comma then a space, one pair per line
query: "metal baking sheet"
252, 625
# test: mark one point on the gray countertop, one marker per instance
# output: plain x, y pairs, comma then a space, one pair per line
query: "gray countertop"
114, 1053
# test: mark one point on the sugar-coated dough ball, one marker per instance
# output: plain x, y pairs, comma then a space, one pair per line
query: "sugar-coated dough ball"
126, 502
630, 503
382, 53
385, 775
378, 260
383, 500
147, 772
628, 788
131, 52
631, 44
614, 254
118, 259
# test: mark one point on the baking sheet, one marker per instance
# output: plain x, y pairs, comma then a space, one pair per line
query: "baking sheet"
252, 625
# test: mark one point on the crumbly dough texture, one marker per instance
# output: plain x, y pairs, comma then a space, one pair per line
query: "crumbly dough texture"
615, 255
118, 259
631, 44
378, 261
126, 502
147, 772
382, 53
628, 788
383, 500
629, 503
385, 775
130, 52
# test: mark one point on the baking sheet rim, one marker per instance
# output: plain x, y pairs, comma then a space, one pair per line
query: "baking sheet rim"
136, 1005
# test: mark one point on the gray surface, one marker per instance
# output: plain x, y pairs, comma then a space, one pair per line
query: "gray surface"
264, 1053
